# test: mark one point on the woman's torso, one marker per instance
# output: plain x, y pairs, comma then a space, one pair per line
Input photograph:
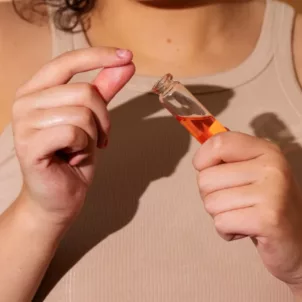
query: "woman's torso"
143, 234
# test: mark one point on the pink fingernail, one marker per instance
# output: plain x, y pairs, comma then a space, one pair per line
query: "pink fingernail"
123, 53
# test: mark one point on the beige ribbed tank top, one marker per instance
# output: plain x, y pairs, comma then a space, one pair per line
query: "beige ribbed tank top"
143, 235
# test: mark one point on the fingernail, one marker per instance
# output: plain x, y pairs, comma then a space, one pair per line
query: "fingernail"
123, 53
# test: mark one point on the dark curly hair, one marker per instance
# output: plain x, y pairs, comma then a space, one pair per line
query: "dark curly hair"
67, 13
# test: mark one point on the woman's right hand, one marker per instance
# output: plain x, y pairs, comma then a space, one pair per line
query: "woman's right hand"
57, 127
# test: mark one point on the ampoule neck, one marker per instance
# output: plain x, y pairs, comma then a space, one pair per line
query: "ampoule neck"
164, 85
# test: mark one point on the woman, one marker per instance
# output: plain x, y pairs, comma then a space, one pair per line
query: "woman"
142, 233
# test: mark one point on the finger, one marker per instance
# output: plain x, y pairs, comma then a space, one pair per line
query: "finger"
77, 94
227, 176
80, 94
80, 117
73, 94
61, 69
47, 142
111, 80
238, 224
231, 147
230, 199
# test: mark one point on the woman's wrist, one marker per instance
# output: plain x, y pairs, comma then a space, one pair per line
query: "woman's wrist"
28, 239
31, 218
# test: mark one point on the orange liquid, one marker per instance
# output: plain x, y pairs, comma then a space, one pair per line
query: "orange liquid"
201, 127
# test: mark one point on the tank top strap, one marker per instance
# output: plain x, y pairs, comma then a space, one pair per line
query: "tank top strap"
65, 41
284, 26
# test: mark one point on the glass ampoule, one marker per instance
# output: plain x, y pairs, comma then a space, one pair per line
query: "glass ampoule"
187, 109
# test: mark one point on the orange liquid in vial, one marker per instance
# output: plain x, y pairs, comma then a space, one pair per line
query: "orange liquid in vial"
201, 127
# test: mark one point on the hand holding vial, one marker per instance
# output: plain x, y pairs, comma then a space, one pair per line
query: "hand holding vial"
252, 194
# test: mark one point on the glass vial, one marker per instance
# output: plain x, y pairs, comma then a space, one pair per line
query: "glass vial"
187, 109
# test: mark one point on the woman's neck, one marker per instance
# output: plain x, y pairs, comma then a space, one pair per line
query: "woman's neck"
175, 38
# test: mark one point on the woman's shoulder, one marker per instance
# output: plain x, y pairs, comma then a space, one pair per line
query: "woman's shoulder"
24, 48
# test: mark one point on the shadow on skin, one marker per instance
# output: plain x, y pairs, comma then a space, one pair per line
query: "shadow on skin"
269, 125
180, 4
141, 150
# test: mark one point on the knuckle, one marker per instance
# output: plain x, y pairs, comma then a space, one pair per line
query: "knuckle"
17, 129
202, 183
62, 57
16, 109
19, 92
278, 169
71, 135
219, 224
87, 116
87, 92
273, 218
196, 161
21, 143
53, 66
274, 147
209, 206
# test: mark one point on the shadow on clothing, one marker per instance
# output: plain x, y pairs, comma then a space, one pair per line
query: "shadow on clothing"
270, 126
141, 150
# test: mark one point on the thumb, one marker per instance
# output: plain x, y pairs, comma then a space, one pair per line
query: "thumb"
111, 80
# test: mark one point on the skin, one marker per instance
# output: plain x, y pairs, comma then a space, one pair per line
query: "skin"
262, 192
253, 194
55, 186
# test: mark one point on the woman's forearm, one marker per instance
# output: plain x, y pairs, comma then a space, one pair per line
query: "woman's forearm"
28, 242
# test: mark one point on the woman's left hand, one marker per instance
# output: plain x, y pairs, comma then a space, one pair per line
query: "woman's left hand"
248, 188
